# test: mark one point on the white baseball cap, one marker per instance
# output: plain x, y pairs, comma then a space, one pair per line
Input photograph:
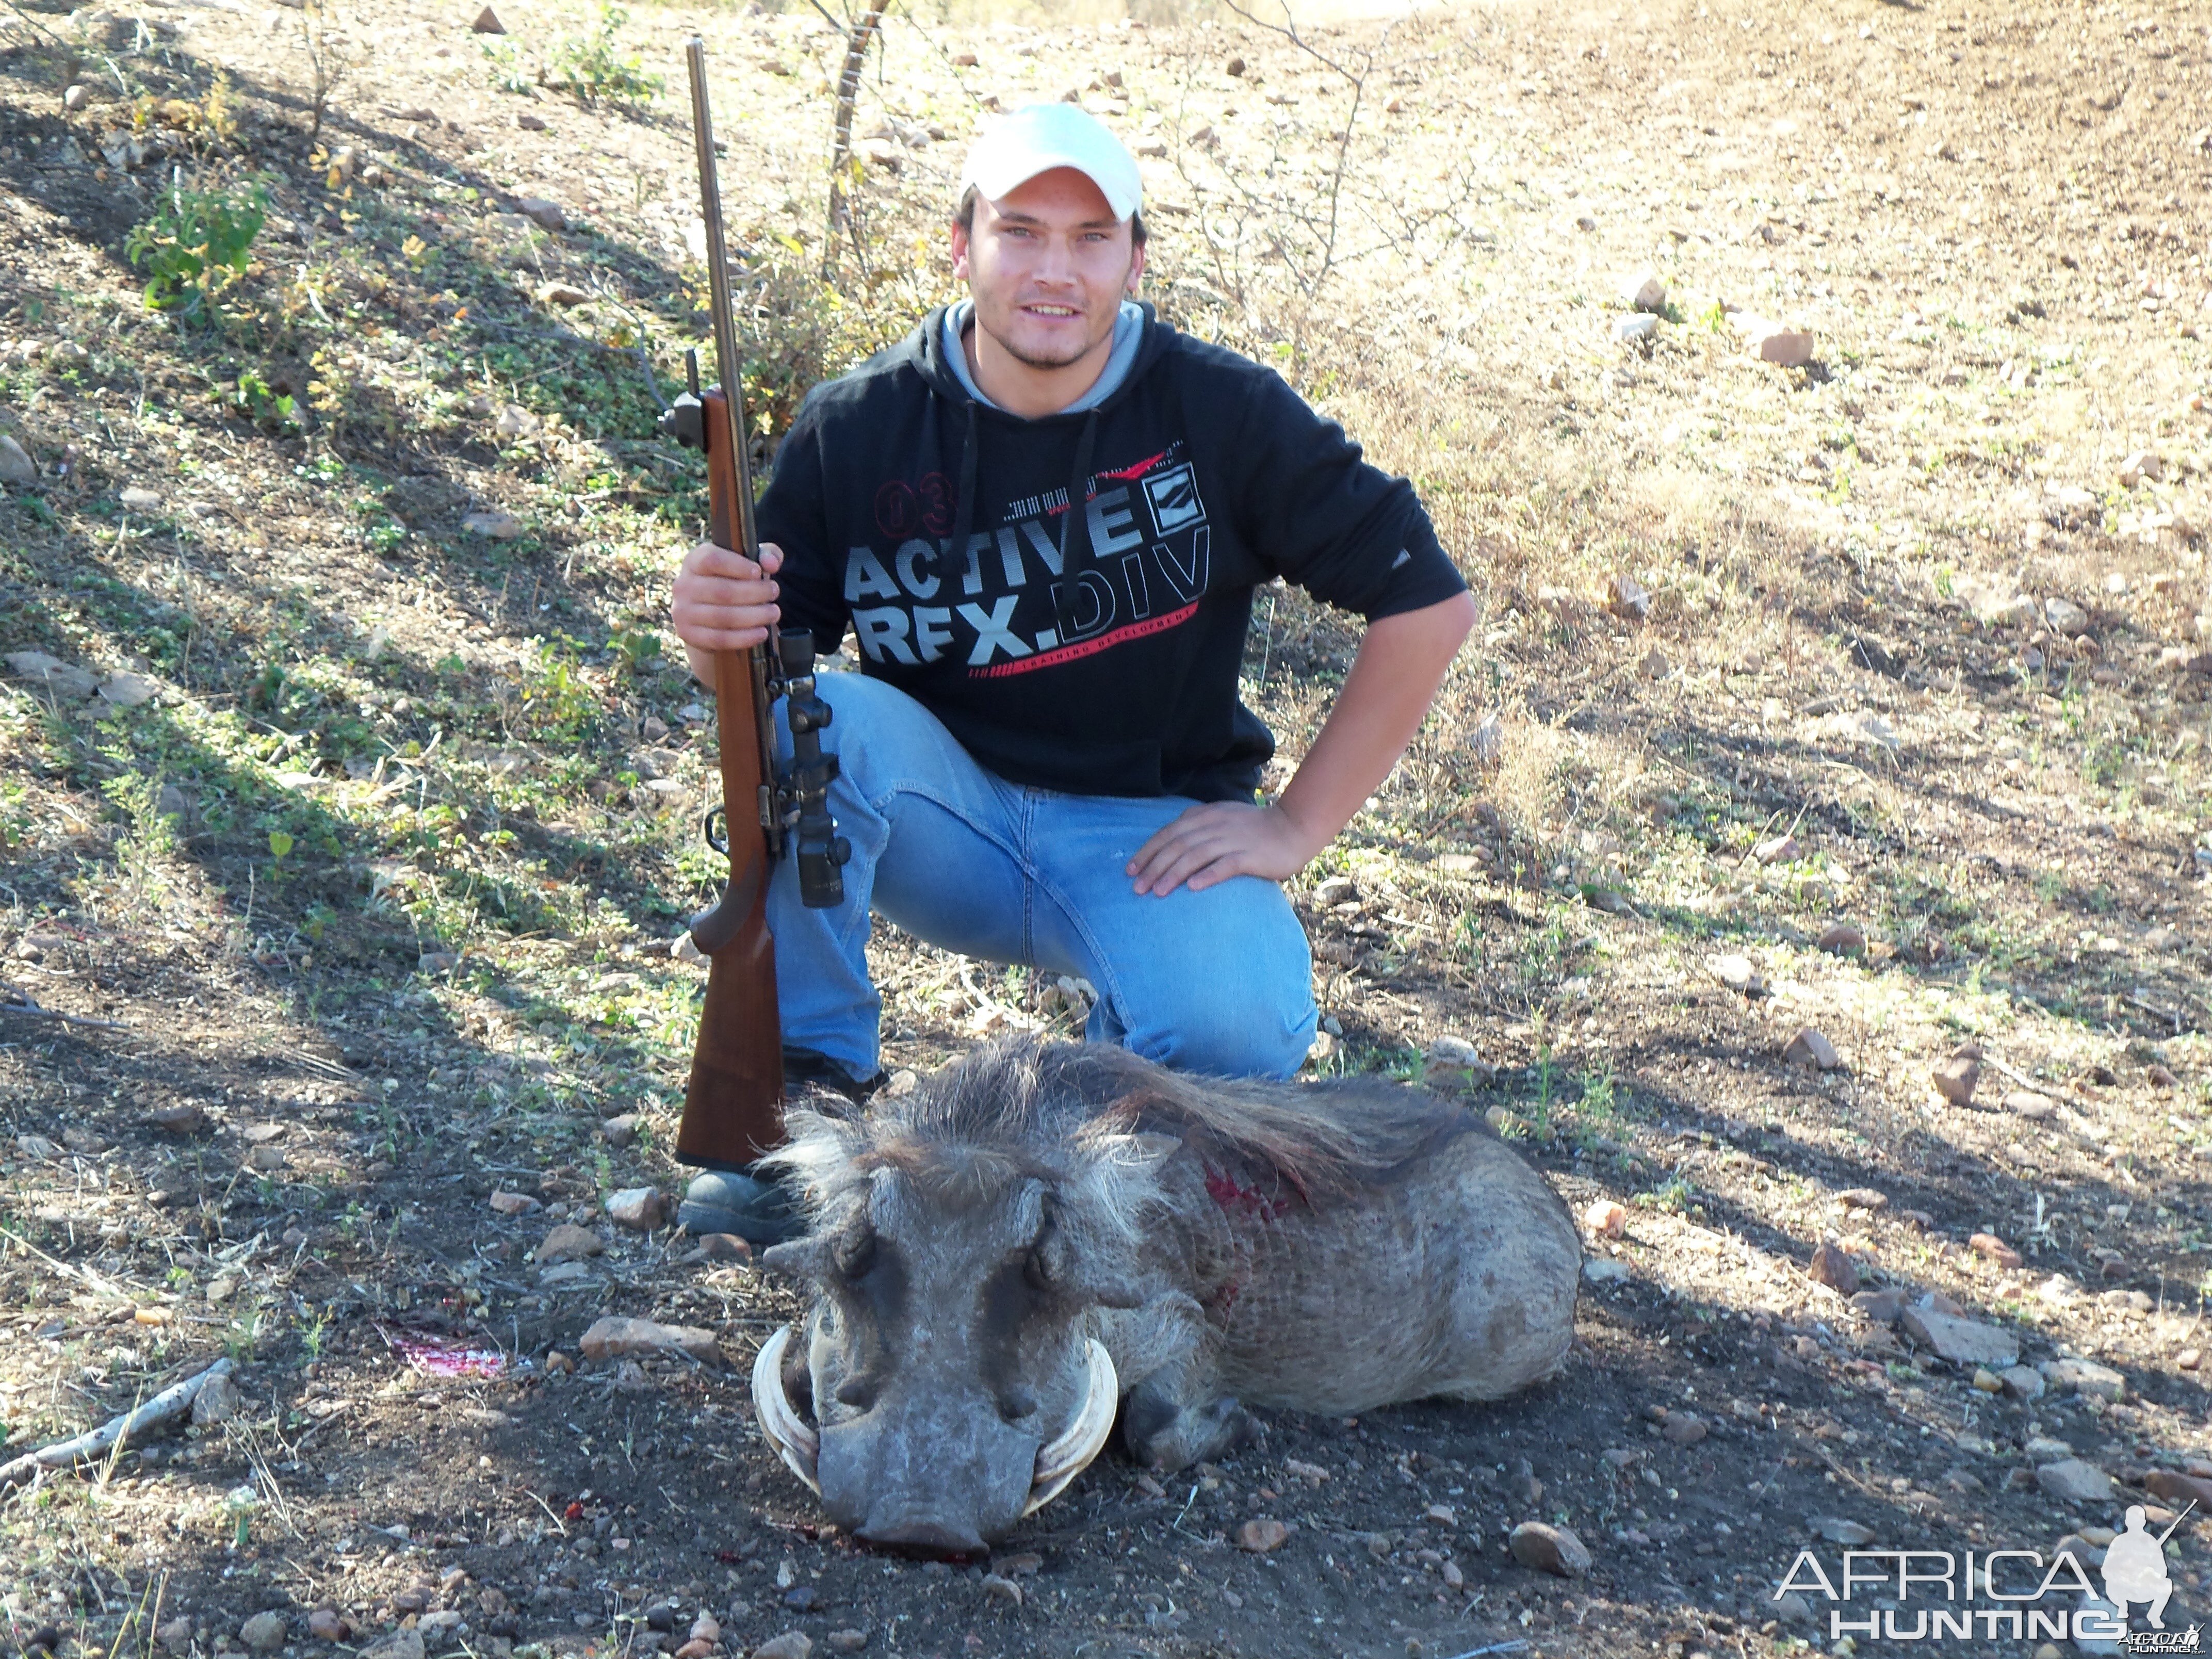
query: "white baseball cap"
1042, 137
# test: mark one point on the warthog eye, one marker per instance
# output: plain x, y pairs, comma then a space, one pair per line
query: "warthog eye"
857, 1392
1017, 1403
856, 1255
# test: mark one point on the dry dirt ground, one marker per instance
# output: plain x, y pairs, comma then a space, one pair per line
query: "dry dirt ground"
368, 819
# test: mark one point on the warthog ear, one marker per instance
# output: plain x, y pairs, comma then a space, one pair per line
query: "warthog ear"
800, 1257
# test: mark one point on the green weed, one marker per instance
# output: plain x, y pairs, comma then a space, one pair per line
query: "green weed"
197, 242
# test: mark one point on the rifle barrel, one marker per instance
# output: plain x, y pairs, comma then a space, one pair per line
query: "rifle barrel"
727, 364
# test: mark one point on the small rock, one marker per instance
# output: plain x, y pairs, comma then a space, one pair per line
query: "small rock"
1604, 1270
1547, 1548
63, 679
1832, 1267
622, 1131
2074, 1481
2022, 1382
263, 1633
2085, 1377
705, 1628
1790, 347
1955, 1079
723, 1247
1336, 890
561, 294
499, 526
2025, 1103
217, 1401
1809, 1048
77, 98
2189, 1360
176, 1635
792, 1644
1644, 292
569, 1243
513, 1203
1443, 1515
1627, 598
1778, 849
139, 501
546, 214
514, 421
1842, 939
997, 1587
1683, 1428
637, 1208
695, 1649
1961, 1341
1863, 1198
2143, 463
1638, 327
1995, 1248
1987, 1380
1792, 1608
611, 1337
402, 1643
530, 123
1605, 1219
1738, 973
2065, 617
1839, 1530
1261, 1535
1026, 1565
325, 1624
2181, 1488
1919, 1220
16, 466
1882, 1307
847, 1641
2047, 1448
487, 23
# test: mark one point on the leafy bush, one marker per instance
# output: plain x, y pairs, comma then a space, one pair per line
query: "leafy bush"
588, 66
196, 242
593, 67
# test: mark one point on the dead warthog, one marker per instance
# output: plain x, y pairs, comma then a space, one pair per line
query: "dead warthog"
1001, 1255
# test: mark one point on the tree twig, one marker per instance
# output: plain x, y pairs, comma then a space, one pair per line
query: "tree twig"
15, 1001
170, 1403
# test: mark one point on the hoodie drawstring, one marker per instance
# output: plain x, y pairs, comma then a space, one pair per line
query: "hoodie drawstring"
955, 557
1075, 533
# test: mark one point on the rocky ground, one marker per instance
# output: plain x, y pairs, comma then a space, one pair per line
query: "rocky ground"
1806, 864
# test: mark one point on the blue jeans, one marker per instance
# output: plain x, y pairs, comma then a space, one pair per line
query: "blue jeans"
1218, 981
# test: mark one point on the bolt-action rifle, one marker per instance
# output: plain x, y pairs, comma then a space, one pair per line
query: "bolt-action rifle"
733, 1103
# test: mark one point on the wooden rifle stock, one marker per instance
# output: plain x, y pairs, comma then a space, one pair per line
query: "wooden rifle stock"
733, 1103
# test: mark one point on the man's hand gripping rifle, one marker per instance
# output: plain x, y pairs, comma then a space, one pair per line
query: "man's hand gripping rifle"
733, 1104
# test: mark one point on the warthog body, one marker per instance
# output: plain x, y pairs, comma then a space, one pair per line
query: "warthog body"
983, 1247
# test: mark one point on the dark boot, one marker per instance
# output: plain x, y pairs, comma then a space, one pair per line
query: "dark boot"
761, 1210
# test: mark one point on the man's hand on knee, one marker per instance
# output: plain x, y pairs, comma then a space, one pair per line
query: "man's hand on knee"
1209, 843
724, 602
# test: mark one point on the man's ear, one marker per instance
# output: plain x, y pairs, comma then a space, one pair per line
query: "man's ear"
1136, 266
959, 251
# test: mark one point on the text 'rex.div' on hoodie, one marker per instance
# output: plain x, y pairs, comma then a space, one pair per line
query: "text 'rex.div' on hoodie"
1094, 652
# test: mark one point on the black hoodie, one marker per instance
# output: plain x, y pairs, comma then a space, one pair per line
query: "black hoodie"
1094, 652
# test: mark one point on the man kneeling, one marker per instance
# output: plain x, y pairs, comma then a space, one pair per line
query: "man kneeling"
1042, 516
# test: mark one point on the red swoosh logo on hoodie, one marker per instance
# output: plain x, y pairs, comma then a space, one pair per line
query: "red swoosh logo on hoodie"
1137, 471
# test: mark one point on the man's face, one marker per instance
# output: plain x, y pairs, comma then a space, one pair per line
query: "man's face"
1048, 265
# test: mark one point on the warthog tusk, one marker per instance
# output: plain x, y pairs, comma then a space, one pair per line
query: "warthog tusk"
795, 1443
1064, 1459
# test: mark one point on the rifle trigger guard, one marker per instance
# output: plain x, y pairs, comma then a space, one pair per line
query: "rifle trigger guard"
719, 842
